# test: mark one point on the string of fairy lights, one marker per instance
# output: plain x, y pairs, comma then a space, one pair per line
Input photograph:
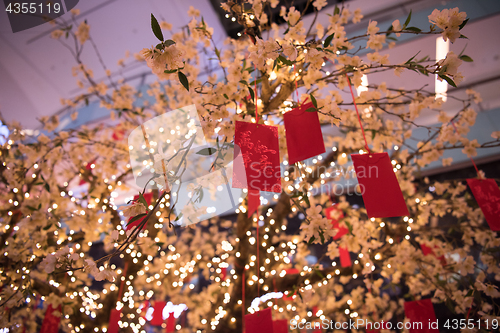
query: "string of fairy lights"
277, 256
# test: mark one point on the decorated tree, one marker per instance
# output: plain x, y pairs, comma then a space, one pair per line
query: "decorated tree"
63, 230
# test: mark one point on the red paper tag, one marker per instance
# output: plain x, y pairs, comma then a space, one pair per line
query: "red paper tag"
223, 273
379, 186
148, 197
253, 201
280, 326
259, 147
170, 323
487, 195
421, 312
427, 250
157, 319
303, 134
50, 322
114, 318
334, 215
259, 322
345, 257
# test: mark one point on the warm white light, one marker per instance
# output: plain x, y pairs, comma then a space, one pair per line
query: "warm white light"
442, 49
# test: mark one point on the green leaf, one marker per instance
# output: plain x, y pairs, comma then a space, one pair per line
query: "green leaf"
160, 46
311, 240
207, 151
156, 28
170, 71
390, 30
319, 273
466, 58
450, 305
336, 11
313, 100
225, 96
32, 208
168, 42
244, 82
415, 29
47, 227
322, 236
328, 40
409, 60
449, 80
460, 27
252, 94
143, 201
470, 293
311, 109
135, 218
407, 20
183, 79
463, 37
285, 60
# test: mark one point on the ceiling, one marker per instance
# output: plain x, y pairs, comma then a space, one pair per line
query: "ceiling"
35, 70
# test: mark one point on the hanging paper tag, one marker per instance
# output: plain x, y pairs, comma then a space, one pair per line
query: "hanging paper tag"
379, 186
253, 201
259, 322
421, 313
345, 257
51, 320
280, 326
334, 215
148, 197
114, 318
487, 195
303, 134
259, 148
170, 323
157, 319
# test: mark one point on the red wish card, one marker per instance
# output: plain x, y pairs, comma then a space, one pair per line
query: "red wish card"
345, 257
487, 195
259, 322
51, 322
170, 323
157, 319
280, 326
303, 134
259, 148
114, 318
253, 201
379, 186
421, 312
334, 215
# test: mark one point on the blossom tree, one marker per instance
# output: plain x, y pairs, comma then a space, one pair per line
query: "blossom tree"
218, 267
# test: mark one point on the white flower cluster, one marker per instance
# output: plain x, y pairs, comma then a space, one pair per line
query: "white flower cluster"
169, 58
449, 20
451, 64
100, 273
54, 260
263, 50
